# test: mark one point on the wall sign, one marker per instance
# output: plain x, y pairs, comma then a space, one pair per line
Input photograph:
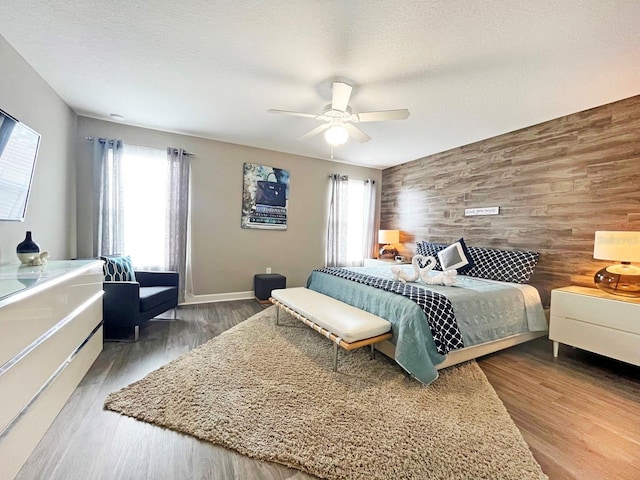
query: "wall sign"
469, 212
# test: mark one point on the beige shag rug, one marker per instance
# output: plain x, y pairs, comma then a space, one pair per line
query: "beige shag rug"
269, 393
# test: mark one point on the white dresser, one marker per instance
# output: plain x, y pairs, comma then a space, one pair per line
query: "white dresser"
50, 334
596, 321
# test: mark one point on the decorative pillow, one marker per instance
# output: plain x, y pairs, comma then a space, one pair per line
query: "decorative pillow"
514, 266
429, 249
118, 269
456, 257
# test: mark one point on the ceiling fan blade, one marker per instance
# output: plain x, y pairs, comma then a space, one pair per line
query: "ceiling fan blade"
340, 96
315, 131
402, 114
356, 133
296, 114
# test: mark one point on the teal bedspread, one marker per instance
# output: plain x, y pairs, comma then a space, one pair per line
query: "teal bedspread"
485, 310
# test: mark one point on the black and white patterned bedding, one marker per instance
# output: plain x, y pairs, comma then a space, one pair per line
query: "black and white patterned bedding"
436, 307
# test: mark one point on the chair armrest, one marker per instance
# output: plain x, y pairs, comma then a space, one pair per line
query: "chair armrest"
157, 279
121, 300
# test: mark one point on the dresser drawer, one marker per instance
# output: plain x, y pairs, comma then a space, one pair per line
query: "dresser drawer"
596, 309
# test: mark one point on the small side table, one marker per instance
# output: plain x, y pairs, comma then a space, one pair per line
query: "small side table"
596, 321
263, 283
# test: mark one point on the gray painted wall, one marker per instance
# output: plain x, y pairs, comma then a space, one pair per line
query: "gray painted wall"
225, 256
51, 210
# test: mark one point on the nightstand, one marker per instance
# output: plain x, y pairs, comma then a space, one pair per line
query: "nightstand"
596, 321
377, 262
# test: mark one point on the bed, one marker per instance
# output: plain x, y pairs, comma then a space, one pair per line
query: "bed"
487, 314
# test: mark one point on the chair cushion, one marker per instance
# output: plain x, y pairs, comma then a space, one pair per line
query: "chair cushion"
151, 297
118, 268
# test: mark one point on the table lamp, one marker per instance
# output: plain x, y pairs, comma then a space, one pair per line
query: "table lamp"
388, 237
622, 278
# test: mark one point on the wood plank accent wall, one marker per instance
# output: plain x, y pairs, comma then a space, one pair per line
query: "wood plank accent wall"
556, 183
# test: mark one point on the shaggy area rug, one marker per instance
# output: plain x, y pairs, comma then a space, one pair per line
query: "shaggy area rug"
269, 392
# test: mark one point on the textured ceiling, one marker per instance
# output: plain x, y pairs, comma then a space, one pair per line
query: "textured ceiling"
466, 70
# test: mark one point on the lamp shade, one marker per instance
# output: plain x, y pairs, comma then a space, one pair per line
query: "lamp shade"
619, 246
388, 236
622, 278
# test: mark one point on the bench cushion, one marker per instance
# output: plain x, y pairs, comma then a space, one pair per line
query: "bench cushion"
348, 322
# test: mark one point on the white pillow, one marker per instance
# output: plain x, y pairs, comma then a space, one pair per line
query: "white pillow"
453, 257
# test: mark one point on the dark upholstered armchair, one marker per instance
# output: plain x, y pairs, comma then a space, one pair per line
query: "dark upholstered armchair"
128, 304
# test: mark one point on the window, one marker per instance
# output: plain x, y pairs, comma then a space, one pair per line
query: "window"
351, 221
145, 179
355, 222
141, 205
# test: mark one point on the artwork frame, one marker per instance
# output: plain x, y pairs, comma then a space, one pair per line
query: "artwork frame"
265, 197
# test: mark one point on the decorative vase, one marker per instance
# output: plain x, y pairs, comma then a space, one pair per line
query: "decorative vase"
27, 250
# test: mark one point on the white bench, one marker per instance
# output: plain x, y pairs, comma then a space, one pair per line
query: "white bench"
346, 326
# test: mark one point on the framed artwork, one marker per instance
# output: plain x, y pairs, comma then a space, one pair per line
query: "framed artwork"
265, 197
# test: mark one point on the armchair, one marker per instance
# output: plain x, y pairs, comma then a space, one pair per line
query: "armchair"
128, 304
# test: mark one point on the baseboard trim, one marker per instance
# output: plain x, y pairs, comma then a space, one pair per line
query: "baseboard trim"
218, 297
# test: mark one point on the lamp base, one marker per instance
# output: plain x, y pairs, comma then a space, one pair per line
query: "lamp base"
627, 285
388, 251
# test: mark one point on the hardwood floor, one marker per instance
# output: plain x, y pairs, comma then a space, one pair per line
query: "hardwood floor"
579, 413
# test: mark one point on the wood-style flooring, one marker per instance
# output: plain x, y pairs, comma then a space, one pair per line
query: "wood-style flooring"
579, 413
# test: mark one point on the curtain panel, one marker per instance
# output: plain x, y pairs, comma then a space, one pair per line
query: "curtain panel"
177, 230
108, 232
337, 231
369, 247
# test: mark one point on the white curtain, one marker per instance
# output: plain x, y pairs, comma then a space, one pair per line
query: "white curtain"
370, 227
337, 231
108, 207
177, 220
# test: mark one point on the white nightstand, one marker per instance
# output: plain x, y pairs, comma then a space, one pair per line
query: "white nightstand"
376, 262
596, 321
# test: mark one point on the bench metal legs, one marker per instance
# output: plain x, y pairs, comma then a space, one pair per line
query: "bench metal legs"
337, 341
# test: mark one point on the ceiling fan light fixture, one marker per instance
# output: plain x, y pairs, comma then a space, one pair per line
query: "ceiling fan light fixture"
336, 135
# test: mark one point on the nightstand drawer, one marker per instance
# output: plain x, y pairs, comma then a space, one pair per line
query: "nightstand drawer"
612, 343
593, 307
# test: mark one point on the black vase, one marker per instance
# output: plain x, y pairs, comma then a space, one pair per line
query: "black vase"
27, 250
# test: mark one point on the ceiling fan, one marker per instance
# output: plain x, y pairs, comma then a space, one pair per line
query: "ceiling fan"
340, 120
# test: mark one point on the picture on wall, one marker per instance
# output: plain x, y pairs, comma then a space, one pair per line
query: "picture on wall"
265, 197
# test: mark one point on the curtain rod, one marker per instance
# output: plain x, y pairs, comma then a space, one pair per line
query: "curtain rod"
344, 177
102, 140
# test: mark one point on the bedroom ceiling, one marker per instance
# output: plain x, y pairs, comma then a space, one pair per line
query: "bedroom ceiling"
466, 70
